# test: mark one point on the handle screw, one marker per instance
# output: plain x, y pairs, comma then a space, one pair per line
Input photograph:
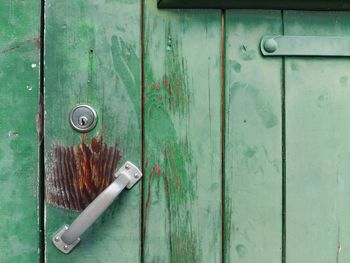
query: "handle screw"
136, 175
65, 247
57, 239
127, 167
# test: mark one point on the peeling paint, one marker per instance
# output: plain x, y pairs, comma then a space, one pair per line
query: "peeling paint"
80, 173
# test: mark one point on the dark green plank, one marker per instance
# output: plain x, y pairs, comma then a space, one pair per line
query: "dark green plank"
253, 174
19, 99
317, 145
92, 55
182, 184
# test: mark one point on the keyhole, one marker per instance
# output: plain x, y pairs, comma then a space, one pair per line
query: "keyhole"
83, 121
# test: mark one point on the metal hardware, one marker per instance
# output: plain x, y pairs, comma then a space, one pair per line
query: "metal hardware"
305, 46
60, 244
83, 118
314, 5
69, 236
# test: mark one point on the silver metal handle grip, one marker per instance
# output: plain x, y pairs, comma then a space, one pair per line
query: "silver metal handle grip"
69, 236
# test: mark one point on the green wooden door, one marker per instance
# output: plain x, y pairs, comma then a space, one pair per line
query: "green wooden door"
245, 157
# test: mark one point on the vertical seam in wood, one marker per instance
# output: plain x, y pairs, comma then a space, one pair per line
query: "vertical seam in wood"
223, 136
283, 104
41, 152
142, 127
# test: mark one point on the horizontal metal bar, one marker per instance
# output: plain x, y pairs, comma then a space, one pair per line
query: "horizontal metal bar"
305, 46
258, 4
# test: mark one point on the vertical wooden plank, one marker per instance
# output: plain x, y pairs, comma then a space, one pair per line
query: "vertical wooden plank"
317, 145
182, 184
253, 173
19, 100
92, 55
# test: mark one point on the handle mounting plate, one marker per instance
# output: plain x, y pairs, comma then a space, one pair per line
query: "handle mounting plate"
60, 244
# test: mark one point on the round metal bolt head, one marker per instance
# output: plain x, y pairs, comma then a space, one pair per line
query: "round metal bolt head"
65, 247
270, 45
83, 118
127, 167
57, 239
136, 175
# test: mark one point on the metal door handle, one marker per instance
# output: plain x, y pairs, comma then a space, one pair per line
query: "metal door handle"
69, 236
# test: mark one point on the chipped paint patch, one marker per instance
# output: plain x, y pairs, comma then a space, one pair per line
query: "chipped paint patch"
80, 173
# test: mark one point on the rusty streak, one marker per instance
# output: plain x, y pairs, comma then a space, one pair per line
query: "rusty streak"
80, 173
9, 49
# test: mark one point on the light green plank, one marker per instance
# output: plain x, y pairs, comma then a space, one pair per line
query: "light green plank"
253, 173
92, 55
182, 198
317, 145
19, 89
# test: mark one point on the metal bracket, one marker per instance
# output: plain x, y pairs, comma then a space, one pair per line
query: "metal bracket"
60, 244
131, 171
69, 236
305, 46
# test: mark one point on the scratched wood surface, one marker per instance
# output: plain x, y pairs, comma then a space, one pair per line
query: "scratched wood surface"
317, 145
182, 183
253, 172
92, 56
19, 89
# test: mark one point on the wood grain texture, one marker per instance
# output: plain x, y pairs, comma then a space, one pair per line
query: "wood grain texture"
77, 169
182, 193
92, 56
19, 89
253, 151
317, 145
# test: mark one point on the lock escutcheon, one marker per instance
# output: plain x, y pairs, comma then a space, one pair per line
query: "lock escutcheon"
83, 118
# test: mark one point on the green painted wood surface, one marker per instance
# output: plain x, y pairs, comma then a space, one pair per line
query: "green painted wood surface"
253, 172
19, 89
92, 55
317, 145
182, 184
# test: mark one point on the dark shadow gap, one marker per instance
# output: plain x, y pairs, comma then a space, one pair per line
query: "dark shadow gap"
223, 136
283, 104
142, 127
41, 151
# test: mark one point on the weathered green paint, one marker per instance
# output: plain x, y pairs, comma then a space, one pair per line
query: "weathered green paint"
92, 55
19, 89
253, 173
182, 182
258, 4
317, 145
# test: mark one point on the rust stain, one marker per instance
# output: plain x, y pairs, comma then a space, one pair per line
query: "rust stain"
39, 119
156, 170
4, 51
20, 44
80, 173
